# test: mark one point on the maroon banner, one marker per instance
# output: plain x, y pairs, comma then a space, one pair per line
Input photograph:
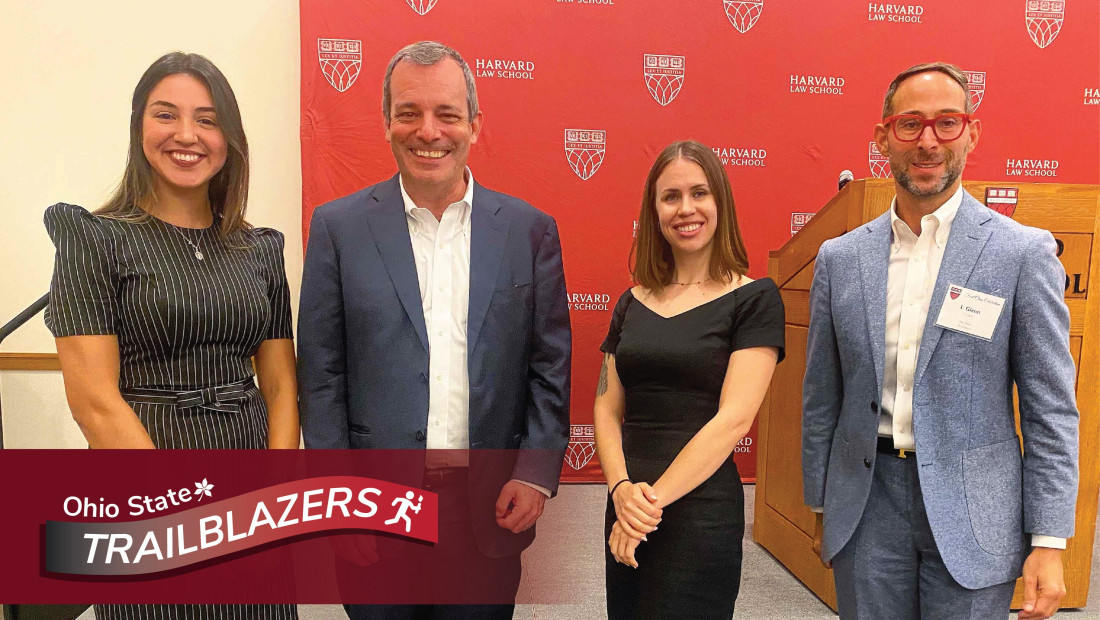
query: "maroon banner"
252, 526
204, 533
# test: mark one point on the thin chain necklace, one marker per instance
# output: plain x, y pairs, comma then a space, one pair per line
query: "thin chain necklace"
198, 252
691, 283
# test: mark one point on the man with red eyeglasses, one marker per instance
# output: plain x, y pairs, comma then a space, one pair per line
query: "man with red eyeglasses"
921, 323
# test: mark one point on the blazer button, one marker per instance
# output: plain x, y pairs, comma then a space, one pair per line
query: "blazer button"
874, 407
420, 436
867, 463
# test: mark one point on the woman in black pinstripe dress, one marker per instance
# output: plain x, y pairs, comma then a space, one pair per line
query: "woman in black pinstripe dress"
162, 300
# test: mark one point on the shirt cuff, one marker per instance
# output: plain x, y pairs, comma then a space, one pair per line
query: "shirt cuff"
546, 492
1053, 542
817, 509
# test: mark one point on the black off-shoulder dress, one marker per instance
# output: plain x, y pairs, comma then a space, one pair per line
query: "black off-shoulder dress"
672, 370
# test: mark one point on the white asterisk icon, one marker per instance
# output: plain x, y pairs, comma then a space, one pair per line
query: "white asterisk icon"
202, 488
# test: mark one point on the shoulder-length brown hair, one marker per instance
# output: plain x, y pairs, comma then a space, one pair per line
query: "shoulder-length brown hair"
651, 260
228, 189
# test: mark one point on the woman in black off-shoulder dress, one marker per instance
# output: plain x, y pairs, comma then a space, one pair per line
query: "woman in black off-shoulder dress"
687, 359
162, 300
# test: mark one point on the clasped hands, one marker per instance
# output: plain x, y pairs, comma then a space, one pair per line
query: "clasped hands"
637, 514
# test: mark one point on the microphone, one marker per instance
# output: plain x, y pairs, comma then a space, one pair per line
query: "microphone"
845, 178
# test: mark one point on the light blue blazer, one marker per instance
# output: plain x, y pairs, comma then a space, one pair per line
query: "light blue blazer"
982, 498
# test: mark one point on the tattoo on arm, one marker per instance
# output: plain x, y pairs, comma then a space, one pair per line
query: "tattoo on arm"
601, 387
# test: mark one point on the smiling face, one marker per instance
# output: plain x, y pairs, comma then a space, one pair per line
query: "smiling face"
181, 137
686, 211
430, 131
928, 169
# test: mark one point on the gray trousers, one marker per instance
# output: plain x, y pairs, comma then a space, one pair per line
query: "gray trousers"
891, 567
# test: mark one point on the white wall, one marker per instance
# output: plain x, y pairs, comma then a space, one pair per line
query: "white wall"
68, 71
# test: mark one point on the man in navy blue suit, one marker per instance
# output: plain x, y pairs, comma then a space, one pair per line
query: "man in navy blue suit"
434, 315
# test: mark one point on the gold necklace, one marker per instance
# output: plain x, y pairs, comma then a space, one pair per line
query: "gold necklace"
691, 283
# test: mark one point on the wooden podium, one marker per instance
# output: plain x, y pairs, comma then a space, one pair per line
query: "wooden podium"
784, 525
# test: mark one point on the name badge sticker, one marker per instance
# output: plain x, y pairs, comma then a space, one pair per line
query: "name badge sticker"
970, 312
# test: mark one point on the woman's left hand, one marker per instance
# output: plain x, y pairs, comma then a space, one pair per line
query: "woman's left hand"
623, 545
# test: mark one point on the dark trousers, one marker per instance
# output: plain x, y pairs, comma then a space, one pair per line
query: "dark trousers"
891, 567
455, 559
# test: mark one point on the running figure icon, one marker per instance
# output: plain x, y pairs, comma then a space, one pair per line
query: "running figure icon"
405, 504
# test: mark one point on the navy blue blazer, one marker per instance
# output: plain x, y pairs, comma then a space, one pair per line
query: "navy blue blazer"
363, 346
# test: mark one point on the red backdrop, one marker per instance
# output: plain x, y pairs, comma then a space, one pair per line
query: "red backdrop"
580, 95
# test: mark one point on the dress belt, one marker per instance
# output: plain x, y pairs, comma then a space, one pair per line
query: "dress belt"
223, 398
444, 476
886, 446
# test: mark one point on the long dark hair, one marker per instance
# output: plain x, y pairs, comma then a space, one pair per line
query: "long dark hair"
228, 189
651, 260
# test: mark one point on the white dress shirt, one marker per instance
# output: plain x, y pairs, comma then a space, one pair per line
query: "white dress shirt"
914, 265
441, 251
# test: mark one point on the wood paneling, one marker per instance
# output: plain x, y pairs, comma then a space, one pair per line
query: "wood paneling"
29, 361
796, 305
784, 458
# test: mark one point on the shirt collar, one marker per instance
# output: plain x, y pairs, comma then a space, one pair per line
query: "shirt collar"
944, 216
467, 199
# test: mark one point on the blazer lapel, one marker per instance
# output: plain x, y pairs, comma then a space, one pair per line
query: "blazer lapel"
964, 245
874, 266
390, 229
488, 232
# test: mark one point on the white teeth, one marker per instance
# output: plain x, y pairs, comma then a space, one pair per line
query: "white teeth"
429, 154
688, 228
185, 157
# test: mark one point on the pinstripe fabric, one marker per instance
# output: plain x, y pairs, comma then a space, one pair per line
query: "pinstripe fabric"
182, 323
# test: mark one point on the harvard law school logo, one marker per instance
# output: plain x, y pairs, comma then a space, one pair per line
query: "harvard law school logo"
894, 13
880, 165
1002, 199
664, 76
582, 445
1044, 20
584, 150
976, 80
422, 6
798, 220
743, 14
1032, 167
737, 156
340, 61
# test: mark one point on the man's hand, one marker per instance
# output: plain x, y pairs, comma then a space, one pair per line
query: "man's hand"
359, 549
1044, 583
622, 545
819, 533
518, 506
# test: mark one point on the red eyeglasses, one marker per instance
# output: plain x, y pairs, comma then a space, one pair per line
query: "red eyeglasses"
946, 127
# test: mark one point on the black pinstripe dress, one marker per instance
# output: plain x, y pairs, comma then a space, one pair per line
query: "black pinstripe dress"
183, 323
